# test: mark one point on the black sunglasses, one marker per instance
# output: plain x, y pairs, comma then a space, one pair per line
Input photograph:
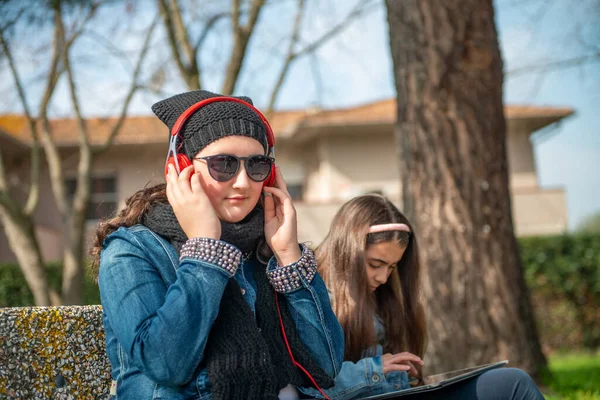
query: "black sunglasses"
223, 167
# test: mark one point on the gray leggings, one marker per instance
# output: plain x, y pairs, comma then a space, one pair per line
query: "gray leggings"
497, 384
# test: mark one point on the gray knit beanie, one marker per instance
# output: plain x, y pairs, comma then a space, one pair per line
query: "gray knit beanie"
211, 122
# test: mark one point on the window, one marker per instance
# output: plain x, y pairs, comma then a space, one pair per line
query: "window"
296, 191
103, 197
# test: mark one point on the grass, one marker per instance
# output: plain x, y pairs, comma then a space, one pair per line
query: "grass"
574, 377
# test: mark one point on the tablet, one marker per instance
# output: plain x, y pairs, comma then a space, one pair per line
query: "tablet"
437, 381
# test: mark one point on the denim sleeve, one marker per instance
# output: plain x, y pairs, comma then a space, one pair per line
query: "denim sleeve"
361, 379
316, 323
163, 329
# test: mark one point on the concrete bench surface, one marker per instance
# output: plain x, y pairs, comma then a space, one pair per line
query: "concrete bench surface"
53, 353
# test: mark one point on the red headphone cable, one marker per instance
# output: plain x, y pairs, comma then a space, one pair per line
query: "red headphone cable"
289, 349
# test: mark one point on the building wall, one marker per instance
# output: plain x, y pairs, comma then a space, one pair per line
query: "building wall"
348, 166
521, 163
539, 212
354, 165
330, 168
133, 167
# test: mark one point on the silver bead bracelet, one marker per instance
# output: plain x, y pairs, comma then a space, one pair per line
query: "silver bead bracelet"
289, 278
213, 251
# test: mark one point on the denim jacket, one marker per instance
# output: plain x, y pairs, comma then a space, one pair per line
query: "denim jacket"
365, 377
158, 312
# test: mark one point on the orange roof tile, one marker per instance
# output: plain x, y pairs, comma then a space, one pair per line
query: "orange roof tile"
522, 111
148, 129
13, 124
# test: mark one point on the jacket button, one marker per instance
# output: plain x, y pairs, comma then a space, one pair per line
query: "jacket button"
243, 291
375, 378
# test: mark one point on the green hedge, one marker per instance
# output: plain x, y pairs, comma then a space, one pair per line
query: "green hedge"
14, 291
563, 273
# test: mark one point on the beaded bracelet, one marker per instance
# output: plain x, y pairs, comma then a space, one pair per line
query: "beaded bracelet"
289, 278
223, 254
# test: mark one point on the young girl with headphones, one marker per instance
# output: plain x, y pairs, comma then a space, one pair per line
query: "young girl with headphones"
370, 264
206, 292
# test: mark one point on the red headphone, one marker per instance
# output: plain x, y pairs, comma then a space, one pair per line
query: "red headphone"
181, 161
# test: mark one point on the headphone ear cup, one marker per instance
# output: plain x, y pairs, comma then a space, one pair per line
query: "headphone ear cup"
182, 160
270, 181
170, 161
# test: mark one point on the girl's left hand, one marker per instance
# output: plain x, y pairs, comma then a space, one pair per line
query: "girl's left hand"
281, 229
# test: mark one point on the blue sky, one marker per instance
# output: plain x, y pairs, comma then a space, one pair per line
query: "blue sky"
355, 68
570, 157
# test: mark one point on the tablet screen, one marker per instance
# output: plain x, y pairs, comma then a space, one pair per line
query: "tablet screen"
434, 382
452, 374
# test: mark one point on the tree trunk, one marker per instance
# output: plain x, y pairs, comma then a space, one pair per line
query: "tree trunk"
72, 283
73, 259
21, 237
451, 137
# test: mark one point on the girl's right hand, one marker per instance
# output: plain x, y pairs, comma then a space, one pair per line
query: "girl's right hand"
191, 205
401, 362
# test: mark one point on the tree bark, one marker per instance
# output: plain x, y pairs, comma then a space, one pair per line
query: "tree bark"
20, 232
451, 136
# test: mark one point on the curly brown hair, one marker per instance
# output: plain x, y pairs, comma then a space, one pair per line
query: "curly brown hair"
135, 208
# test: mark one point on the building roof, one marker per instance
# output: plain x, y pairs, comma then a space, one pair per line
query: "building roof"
286, 123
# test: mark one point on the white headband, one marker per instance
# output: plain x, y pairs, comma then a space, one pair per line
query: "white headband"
389, 227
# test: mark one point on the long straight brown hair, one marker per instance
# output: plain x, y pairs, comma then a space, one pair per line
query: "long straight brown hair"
342, 265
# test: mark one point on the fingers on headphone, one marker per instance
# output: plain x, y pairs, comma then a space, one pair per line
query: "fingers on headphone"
280, 182
269, 207
186, 173
195, 183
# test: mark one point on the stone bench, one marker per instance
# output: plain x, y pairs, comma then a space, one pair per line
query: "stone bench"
53, 353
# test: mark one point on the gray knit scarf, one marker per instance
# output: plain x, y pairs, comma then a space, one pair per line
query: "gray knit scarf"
245, 234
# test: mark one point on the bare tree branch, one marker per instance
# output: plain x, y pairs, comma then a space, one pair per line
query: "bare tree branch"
3, 180
83, 139
189, 74
9, 205
53, 76
181, 33
317, 78
593, 47
241, 36
107, 44
359, 10
34, 185
207, 28
52, 155
132, 89
235, 16
553, 65
61, 46
77, 32
289, 57
12, 21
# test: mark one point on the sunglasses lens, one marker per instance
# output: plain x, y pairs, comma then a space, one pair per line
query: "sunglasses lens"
223, 168
258, 168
